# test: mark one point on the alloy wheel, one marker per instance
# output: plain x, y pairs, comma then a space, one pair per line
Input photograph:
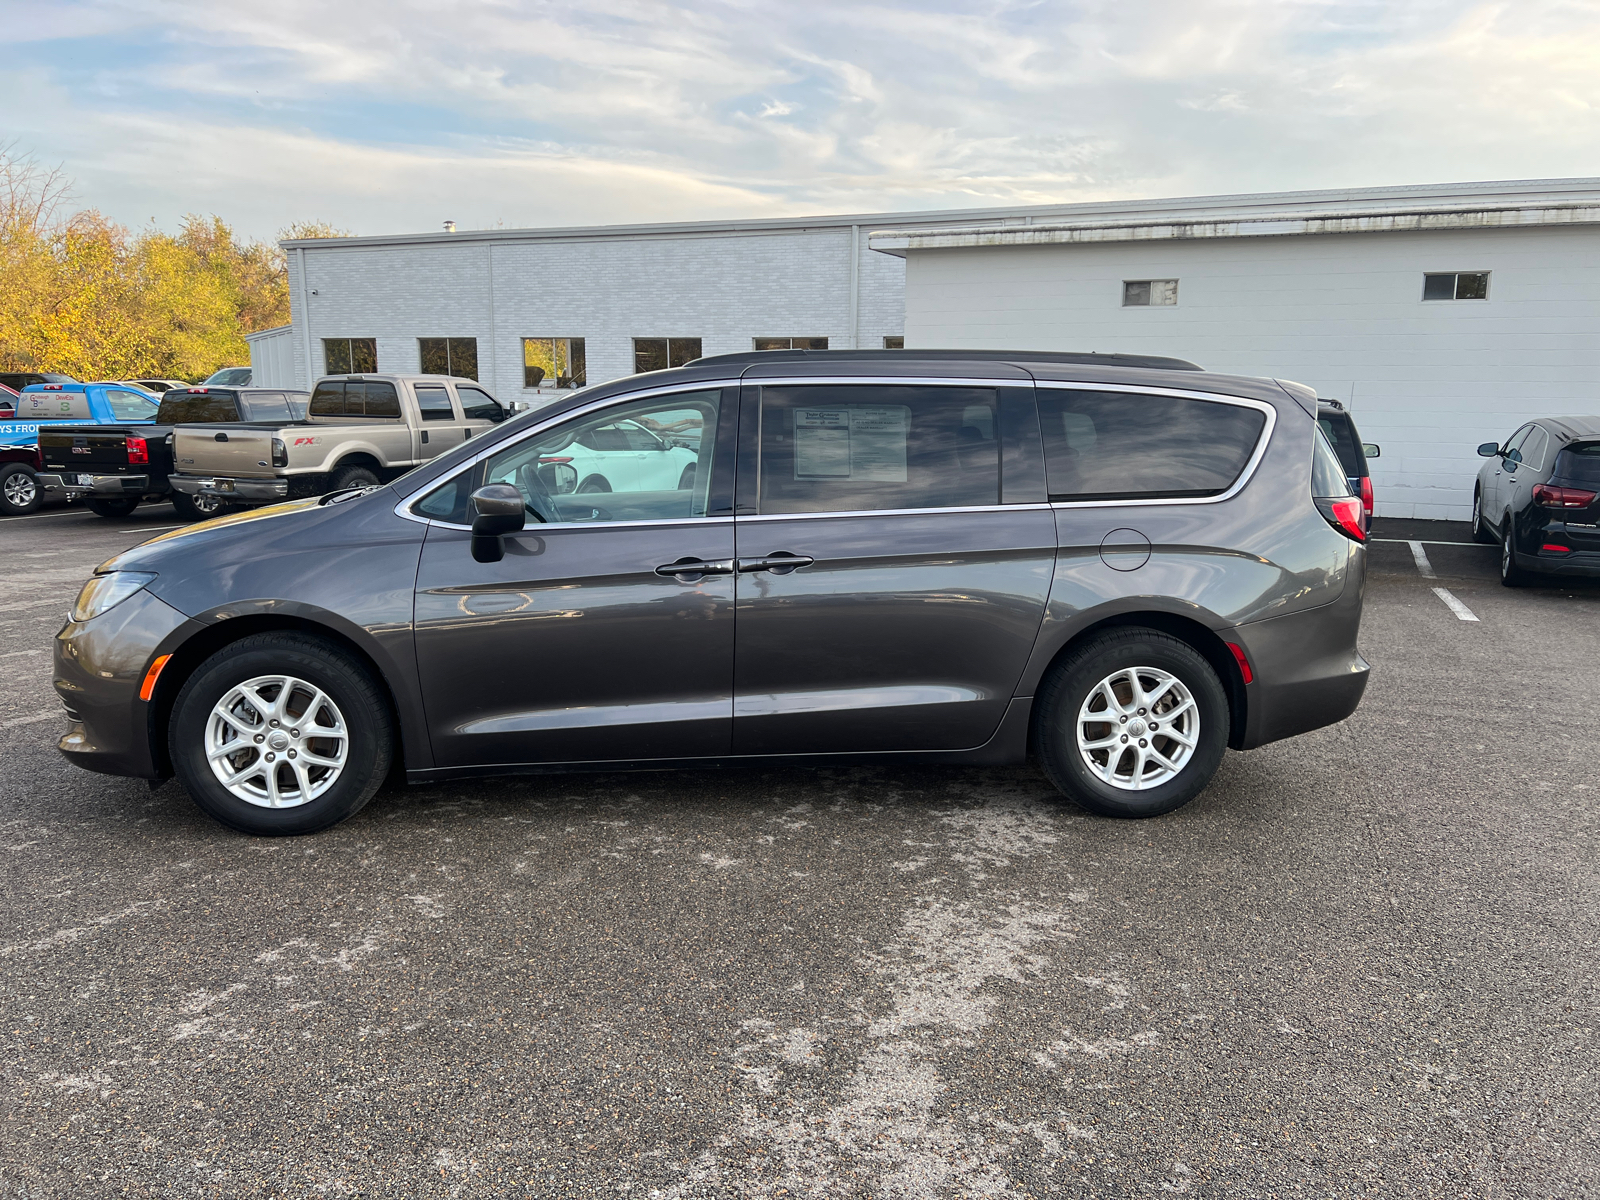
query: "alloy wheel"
1138, 728
276, 741
21, 489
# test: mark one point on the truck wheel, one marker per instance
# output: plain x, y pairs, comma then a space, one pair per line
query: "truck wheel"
19, 490
113, 508
353, 476
280, 734
1132, 724
199, 507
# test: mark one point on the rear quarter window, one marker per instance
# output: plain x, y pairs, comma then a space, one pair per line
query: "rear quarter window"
1341, 433
1133, 446
1579, 463
1328, 479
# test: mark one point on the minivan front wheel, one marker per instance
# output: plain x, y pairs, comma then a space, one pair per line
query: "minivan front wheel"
281, 734
1132, 724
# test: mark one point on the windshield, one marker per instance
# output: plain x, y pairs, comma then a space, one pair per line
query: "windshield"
231, 377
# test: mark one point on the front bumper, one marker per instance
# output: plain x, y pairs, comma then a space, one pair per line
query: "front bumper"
259, 491
99, 667
81, 483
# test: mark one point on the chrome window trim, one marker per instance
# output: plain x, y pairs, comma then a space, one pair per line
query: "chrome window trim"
1238, 485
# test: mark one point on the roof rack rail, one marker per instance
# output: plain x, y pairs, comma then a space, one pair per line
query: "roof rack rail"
1079, 358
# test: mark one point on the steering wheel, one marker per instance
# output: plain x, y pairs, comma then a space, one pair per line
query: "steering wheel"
536, 497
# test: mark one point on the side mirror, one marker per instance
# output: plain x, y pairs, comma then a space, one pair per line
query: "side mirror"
1488, 449
559, 479
1372, 449
498, 510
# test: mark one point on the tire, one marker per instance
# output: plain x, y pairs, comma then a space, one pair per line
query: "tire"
198, 507
686, 480
20, 493
593, 484
113, 508
352, 700
1511, 575
353, 476
1073, 690
1480, 531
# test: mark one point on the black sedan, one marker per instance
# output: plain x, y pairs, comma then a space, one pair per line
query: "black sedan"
1539, 496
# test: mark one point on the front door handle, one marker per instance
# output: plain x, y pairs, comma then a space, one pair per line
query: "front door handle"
780, 563
696, 567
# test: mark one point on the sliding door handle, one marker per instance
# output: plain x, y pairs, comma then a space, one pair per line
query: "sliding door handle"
696, 567
780, 563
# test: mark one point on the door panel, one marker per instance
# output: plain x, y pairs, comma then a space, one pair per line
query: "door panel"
572, 648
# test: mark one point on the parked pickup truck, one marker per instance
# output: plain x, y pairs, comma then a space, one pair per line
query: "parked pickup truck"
51, 406
359, 431
118, 467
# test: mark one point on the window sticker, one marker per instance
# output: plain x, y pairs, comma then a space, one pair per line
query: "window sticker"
859, 442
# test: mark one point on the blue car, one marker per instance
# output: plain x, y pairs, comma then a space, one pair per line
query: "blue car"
55, 405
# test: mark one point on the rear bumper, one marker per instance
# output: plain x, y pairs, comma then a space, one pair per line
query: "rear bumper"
79, 483
1585, 563
263, 491
1308, 672
99, 667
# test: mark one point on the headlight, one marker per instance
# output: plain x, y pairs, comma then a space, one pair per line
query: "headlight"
107, 591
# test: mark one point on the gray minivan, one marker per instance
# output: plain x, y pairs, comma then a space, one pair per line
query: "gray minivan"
1120, 566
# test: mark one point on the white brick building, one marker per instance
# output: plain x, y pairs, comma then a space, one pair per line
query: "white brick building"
1322, 287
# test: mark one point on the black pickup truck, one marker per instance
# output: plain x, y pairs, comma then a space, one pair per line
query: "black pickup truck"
117, 468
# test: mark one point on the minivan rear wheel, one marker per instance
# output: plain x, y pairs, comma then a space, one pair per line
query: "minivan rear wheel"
281, 734
1131, 724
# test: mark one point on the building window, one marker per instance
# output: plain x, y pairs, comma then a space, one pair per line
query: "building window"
791, 343
657, 354
350, 356
1457, 285
449, 356
552, 362
1148, 293
894, 343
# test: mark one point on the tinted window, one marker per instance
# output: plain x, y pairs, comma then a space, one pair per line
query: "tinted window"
450, 502
564, 477
478, 405
130, 406
1580, 463
434, 401
1328, 479
1128, 446
1514, 446
190, 408
267, 406
861, 448
382, 399
1533, 449
1341, 432
328, 399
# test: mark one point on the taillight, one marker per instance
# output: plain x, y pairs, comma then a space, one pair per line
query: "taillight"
1561, 497
1366, 497
1345, 514
280, 453
138, 452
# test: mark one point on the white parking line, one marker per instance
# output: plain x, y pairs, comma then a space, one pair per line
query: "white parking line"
1426, 542
20, 653
1462, 612
33, 720
1421, 556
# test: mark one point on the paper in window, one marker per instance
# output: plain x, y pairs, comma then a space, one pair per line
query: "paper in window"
858, 442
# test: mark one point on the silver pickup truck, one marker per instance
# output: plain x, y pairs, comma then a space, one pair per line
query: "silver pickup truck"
359, 430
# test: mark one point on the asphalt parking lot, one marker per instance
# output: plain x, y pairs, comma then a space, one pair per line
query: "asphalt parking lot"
1362, 963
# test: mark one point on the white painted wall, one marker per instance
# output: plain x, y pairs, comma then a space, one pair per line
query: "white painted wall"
725, 289
272, 357
1343, 313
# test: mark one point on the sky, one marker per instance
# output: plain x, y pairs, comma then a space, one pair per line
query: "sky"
395, 116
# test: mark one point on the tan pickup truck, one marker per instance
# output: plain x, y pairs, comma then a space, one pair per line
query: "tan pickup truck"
359, 430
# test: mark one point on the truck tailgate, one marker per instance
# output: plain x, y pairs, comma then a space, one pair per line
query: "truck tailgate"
84, 449
232, 451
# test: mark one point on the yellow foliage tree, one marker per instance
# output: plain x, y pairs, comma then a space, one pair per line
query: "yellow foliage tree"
83, 297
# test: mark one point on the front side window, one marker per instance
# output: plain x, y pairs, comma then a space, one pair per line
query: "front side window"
791, 343
657, 354
478, 405
648, 460
130, 406
857, 448
1149, 293
350, 356
1456, 285
449, 356
553, 362
1133, 446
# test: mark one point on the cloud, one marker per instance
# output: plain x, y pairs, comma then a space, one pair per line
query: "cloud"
380, 115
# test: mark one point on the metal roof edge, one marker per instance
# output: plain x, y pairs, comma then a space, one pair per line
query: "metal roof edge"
264, 332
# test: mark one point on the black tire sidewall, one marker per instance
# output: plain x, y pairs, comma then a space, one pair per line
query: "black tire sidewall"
1064, 693
7, 508
349, 685
354, 476
113, 508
